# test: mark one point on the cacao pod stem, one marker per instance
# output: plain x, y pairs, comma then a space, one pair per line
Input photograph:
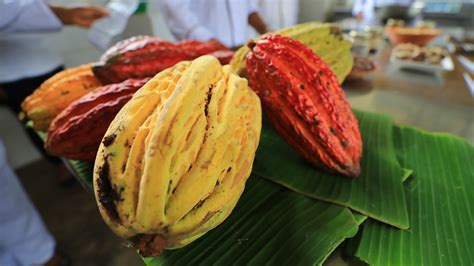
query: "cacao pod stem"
251, 44
149, 245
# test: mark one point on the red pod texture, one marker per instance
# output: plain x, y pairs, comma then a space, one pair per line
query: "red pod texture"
305, 104
77, 131
145, 56
138, 57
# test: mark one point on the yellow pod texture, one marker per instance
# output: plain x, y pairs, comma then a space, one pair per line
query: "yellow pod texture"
175, 159
56, 93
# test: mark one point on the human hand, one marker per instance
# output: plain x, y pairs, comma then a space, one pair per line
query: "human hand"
81, 16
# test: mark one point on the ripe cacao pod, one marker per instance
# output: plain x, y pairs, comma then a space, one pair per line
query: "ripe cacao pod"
305, 103
325, 39
174, 161
56, 93
77, 131
138, 57
198, 48
144, 56
224, 56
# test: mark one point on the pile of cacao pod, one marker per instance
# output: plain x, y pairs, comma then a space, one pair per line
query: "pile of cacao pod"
173, 130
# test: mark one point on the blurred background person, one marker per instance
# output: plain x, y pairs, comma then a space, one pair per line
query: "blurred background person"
223, 20
26, 60
24, 239
277, 14
374, 12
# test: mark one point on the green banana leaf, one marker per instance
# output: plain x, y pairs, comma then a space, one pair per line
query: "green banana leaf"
83, 172
377, 192
269, 225
439, 199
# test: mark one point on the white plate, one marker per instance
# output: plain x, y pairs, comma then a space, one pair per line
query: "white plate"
445, 65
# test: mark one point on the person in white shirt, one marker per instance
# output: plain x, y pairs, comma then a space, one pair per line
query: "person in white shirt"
222, 20
371, 12
26, 60
278, 13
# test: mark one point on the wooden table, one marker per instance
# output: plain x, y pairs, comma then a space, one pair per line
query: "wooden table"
434, 102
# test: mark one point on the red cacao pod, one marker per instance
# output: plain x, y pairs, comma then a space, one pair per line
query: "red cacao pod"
77, 131
138, 57
198, 48
224, 56
305, 104
144, 56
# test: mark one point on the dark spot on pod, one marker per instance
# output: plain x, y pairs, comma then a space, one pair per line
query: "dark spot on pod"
208, 100
315, 120
190, 167
107, 194
124, 165
301, 86
229, 169
332, 131
345, 143
169, 186
108, 140
200, 203
266, 93
149, 245
64, 92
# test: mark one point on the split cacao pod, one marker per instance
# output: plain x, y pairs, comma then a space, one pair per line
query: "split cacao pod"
305, 103
144, 56
56, 93
77, 131
174, 161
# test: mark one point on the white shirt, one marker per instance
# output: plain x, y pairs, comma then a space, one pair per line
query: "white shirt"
24, 50
278, 13
23, 54
106, 31
224, 20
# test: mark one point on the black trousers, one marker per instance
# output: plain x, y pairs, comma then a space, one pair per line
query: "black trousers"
16, 92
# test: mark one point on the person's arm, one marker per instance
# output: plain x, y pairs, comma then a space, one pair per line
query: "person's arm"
37, 16
82, 16
257, 23
254, 19
357, 9
182, 21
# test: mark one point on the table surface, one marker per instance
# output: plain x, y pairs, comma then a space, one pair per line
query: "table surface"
435, 102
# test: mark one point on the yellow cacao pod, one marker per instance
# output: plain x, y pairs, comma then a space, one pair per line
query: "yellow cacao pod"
175, 159
56, 93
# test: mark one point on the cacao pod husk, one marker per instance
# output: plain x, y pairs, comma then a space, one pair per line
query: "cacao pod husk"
174, 161
144, 56
77, 131
305, 104
56, 93
137, 57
